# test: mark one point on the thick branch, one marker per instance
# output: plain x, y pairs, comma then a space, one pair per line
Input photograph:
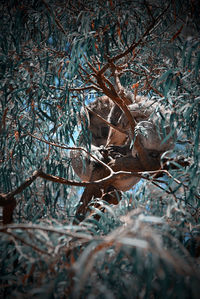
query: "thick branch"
9, 197
116, 99
63, 181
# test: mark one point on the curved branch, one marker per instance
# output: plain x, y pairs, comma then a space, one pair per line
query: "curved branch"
5, 199
57, 179
72, 148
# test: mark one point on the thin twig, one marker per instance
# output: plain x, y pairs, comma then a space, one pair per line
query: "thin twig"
85, 88
55, 18
51, 229
72, 148
105, 121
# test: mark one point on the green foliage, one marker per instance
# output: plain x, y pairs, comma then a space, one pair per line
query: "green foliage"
148, 246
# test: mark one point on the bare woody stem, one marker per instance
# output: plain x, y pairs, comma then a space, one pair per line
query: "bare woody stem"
6, 199
105, 121
134, 45
72, 148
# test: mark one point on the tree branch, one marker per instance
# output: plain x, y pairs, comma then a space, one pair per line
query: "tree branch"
72, 148
105, 121
56, 20
4, 199
135, 44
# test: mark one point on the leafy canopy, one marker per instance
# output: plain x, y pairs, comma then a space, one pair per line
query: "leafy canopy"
47, 50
